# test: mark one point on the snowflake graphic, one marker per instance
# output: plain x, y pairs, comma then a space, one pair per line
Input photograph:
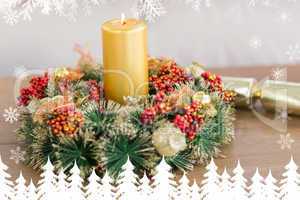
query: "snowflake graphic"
196, 4
254, 3
285, 17
150, 10
14, 9
11, 115
282, 116
17, 155
11, 17
293, 52
285, 141
279, 74
255, 43
266, 3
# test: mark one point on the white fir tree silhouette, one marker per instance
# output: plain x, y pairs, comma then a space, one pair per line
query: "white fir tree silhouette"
6, 185
225, 186
195, 191
183, 189
257, 187
239, 184
107, 188
75, 184
163, 183
47, 184
271, 189
289, 189
211, 183
145, 189
62, 185
20, 188
127, 182
214, 187
31, 191
93, 187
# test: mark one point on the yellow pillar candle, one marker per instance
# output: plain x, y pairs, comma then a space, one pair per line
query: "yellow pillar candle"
125, 58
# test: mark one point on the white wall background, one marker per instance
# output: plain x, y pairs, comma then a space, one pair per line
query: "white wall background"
218, 36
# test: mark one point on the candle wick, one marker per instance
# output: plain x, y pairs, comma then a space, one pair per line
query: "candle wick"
123, 19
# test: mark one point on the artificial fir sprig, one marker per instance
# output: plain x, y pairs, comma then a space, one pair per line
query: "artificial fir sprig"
42, 147
100, 117
139, 150
181, 160
81, 148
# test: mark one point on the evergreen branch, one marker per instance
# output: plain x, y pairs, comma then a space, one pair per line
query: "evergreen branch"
100, 119
81, 148
216, 132
117, 149
42, 148
181, 160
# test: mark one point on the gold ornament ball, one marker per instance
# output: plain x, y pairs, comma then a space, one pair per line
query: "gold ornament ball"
61, 72
206, 99
168, 140
202, 97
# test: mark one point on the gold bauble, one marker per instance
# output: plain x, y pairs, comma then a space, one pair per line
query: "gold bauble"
60, 73
206, 99
201, 97
168, 140
198, 96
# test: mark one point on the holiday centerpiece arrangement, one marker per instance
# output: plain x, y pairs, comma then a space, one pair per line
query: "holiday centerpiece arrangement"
186, 117
134, 106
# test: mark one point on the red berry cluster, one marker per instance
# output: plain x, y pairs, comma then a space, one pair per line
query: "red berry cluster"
167, 76
65, 120
148, 115
94, 90
160, 107
190, 121
214, 81
25, 96
159, 97
36, 89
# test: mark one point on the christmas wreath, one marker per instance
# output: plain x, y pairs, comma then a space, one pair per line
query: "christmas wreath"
186, 118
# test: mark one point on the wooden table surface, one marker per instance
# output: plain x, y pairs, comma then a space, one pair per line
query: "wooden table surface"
255, 143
